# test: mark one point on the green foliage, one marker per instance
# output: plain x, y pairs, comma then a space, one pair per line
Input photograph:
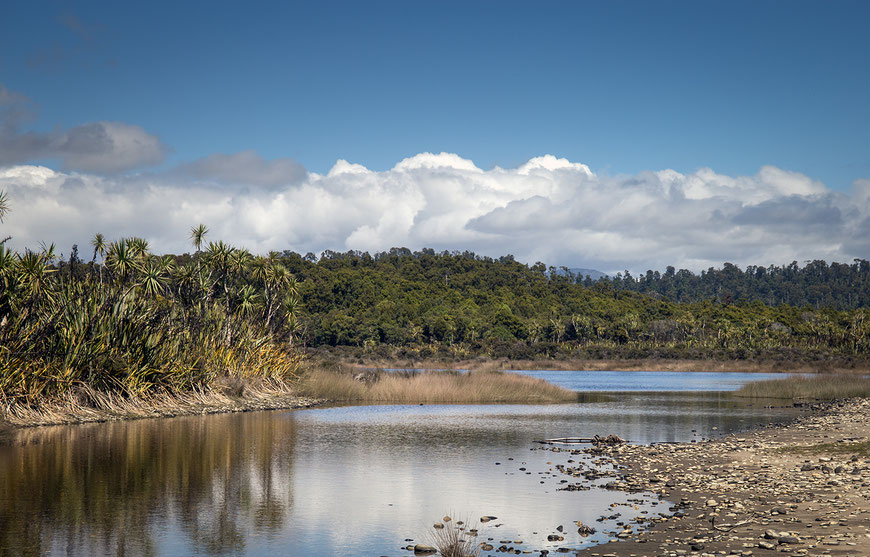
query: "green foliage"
817, 284
425, 303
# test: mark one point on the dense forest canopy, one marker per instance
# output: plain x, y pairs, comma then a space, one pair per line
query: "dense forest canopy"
816, 284
500, 306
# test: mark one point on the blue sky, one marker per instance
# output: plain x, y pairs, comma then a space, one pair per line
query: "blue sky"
621, 86
231, 109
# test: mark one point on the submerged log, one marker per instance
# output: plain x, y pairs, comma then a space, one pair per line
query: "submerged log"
597, 440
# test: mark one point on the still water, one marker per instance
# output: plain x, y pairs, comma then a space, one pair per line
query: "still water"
635, 381
333, 481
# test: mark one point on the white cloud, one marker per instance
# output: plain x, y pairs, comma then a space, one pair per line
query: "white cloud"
548, 209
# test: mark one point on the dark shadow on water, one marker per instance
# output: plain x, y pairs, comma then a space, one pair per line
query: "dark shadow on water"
107, 489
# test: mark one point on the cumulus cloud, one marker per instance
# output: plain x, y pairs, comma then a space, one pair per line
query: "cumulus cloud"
101, 147
548, 209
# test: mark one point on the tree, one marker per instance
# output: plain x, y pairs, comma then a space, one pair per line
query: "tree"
4, 209
100, 246
4, 204
197, 235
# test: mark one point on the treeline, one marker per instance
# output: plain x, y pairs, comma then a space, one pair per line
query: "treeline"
817, 284
426, 303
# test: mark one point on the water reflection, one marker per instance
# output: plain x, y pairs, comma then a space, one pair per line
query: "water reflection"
115, 488
327, 481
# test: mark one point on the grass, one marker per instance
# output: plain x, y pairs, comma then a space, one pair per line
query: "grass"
86, 404
861, 448
431, 387
453, 540
820, 387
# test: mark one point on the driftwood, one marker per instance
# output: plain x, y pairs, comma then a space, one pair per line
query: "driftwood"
597, 440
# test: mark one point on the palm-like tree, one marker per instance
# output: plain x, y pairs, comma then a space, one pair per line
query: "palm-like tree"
99, 244
4, 204
219, 257
34, 271
248, 300
138, 247
7, 266
197, 235
153, 279
121, 259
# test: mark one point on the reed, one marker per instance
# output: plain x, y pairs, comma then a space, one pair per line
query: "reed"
86, 404
819, 387
452, 540
433, 387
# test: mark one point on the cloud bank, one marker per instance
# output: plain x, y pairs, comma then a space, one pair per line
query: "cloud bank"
548, 209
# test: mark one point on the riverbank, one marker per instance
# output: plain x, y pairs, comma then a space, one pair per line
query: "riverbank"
87, 406
800, 489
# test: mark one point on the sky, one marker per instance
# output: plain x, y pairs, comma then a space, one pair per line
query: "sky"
609, 135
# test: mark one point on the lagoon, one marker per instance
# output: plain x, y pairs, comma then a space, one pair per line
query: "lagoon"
341, 480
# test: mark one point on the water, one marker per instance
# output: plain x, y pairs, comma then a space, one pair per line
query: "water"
330, 481
634, 381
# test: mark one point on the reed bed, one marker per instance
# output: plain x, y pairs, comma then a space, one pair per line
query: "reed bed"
820, 387
89, 405
432, 387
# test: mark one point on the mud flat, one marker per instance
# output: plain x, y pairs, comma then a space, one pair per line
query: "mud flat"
796, 489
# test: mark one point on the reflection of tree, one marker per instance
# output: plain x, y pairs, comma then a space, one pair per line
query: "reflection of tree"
106, 488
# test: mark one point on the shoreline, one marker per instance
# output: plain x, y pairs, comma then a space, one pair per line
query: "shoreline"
251, 398
801, 488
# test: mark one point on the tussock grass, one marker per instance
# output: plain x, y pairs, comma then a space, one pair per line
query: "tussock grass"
820, 387
432, 387
455, 539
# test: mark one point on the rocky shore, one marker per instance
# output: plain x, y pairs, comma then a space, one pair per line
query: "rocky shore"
800, 489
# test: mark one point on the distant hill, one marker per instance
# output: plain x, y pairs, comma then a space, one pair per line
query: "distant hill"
593, 274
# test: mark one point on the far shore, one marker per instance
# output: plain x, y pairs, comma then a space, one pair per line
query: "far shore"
644, 364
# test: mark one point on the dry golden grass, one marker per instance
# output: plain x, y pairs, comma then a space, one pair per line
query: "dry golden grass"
819, 387
433, 387
86, 404
455, 539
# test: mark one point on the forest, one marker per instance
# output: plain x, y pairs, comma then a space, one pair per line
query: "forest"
428, 304
817, 284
